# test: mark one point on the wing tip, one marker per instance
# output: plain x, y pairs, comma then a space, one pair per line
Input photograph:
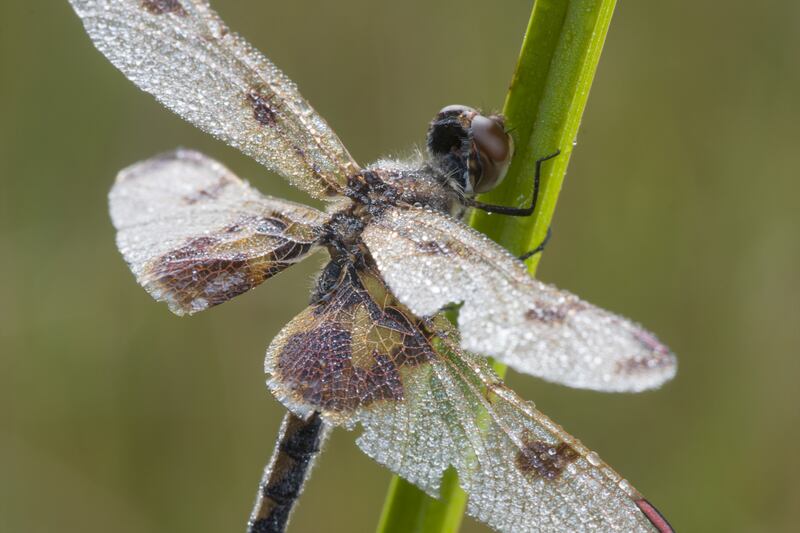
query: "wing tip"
654, 516
178, 308
652, 367
639, 374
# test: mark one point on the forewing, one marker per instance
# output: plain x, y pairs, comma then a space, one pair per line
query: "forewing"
195, 235
424, 405
184, 55
429, 260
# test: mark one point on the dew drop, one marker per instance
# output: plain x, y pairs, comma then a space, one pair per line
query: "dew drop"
593, 459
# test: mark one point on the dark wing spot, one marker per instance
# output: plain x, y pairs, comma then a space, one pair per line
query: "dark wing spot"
544, 314
209, 193
264, 114
430, 248
438, 247
160, 7
547, 312
544, 460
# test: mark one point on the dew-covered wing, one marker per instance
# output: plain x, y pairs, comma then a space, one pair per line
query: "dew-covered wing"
346, 351
184, 55
359, 356
195, 235
429, 260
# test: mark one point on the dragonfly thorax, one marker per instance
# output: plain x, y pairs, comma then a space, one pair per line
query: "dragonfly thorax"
392, 183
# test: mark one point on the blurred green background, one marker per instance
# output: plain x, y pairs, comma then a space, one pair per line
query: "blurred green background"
680, 209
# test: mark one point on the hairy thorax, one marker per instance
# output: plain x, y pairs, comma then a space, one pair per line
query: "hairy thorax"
370, 193
390, 183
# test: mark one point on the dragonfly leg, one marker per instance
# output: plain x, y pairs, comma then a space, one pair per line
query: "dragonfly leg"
539, 248
517, 211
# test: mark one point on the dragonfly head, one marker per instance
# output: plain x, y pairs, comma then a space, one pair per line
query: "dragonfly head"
471, 150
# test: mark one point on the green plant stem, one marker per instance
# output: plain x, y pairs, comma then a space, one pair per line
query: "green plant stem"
543, 109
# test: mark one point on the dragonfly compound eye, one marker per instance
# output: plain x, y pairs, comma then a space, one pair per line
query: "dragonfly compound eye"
493, 148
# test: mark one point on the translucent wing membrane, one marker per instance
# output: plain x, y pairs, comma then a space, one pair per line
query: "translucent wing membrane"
429, 260
360, 356
195, 235
185, 56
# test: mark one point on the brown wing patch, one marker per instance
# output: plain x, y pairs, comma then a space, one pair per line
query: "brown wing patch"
210, 270
347, 351
540, 459
160, 7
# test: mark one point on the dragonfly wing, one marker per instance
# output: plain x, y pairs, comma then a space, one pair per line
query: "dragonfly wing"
429, 260
359, 356
195, 235
183, 54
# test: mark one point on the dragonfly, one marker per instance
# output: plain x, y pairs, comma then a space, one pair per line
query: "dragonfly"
373, 348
